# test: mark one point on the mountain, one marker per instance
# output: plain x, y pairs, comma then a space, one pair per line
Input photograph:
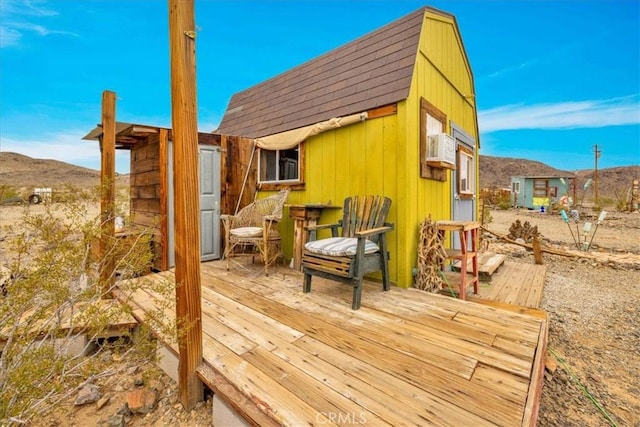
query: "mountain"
495, 172
20, 171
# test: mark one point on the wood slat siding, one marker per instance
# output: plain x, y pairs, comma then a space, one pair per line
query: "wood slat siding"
149, 182
442, 76
145, 190
406, 357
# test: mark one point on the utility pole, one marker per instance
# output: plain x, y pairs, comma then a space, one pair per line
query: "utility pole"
596, 153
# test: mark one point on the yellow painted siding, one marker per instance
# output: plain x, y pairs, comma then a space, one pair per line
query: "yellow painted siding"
442, 77
382, 155
356, 160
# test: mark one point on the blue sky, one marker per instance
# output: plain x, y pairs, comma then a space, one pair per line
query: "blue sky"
553, 78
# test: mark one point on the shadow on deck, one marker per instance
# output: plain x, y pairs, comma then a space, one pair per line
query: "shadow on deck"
407, 357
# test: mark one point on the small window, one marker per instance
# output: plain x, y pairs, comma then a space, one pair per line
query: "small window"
466, 172
515, 187
540, 188
279, 166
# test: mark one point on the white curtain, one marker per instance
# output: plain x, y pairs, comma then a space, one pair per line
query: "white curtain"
291, 138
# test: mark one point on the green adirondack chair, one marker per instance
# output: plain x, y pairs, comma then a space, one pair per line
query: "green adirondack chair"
359, 249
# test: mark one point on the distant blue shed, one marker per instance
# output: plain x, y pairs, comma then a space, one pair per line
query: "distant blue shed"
532, 192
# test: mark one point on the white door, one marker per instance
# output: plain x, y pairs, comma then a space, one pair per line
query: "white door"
209, 184
463, 185
209, 174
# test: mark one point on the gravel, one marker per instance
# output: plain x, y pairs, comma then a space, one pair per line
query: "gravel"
594, 311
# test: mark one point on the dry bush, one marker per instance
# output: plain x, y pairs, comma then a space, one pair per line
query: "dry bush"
54, 294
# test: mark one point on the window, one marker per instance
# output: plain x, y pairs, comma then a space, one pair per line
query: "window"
515, 187
432, 121
280, 166
466, 172
540, 188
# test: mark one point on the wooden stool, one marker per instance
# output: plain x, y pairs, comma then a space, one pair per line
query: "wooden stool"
468, 232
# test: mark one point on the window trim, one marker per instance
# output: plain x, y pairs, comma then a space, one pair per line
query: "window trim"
538, 188
291, 184
426, 170
466, 153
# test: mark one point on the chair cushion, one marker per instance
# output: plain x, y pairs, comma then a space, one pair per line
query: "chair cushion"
246, 232
339, 246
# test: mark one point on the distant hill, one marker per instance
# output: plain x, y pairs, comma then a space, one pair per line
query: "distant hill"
495, 172
21, 171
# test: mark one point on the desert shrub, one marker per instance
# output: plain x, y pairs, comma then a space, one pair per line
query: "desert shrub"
622, 199
485, 213
55, 293
8, 192
504, 205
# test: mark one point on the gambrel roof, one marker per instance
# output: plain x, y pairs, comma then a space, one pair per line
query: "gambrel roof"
369, 72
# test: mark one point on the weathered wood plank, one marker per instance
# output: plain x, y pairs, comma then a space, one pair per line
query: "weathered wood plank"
274, 399
324, 400
381, 393
311, 353
461, 398
406, 366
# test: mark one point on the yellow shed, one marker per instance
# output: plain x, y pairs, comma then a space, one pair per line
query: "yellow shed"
407, 129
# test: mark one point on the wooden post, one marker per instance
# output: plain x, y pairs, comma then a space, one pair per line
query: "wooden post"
537, 251
107, 191
164, 197
186, 207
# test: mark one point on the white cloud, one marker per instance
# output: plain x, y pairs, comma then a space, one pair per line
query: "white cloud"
562, 115
21, 17
513, 68
9, 36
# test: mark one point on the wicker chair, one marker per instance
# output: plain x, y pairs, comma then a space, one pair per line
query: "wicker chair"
255, 230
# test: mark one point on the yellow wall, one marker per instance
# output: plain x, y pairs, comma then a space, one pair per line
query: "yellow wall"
381, 156
359, 159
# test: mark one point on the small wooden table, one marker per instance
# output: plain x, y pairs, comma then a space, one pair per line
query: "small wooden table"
304, 216
468, 232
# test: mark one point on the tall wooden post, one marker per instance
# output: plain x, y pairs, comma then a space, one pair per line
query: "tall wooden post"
107, 190
186, 207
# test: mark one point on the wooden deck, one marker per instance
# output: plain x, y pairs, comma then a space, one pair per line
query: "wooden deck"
519, 284
407, 357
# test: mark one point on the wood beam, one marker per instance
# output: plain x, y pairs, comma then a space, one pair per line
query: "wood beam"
164, 198
186, 206
107, 190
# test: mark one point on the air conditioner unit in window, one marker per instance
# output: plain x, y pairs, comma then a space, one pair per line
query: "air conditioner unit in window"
441, 150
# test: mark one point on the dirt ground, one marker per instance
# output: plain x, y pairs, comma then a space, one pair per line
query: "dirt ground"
592, 299
593, 303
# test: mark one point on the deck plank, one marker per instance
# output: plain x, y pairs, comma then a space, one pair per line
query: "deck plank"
407, 357
413, 369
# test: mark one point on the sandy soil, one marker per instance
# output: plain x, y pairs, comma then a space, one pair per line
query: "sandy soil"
593, 304
592, 299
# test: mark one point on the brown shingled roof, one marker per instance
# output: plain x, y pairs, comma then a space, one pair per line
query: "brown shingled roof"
369, 72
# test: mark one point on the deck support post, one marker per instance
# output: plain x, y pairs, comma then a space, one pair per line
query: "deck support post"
186, 206
107, 191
